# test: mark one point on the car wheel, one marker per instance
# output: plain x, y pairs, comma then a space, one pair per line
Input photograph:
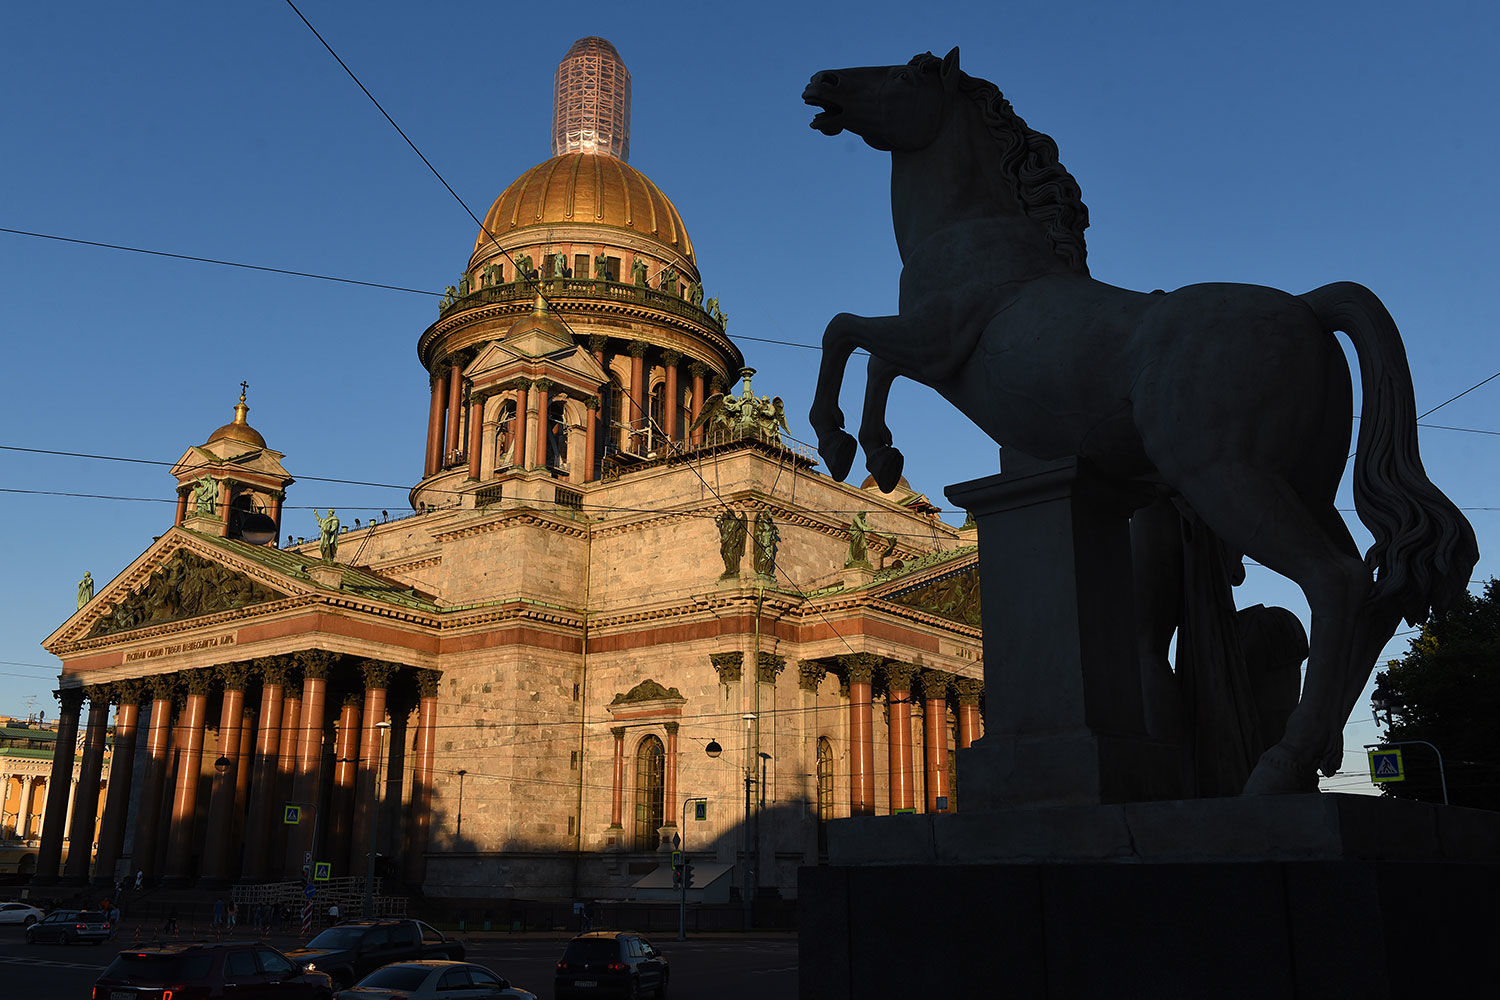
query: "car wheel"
30, 919
635, 989
661, 991
65, 938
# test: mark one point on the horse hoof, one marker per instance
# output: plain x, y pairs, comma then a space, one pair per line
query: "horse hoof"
1278, 773
837, 449
885, 465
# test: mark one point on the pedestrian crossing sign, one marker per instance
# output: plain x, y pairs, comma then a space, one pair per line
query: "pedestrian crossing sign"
292, 815
1386, 765
322, 871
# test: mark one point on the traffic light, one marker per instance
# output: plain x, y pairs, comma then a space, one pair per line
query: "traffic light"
677, 876
687, 875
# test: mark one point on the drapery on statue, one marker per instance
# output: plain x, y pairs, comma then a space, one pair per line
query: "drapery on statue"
85, 589
328, 534
858, 548
766, 537
205, 495
1233, 399
732, 530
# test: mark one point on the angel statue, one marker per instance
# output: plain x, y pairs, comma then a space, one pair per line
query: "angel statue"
722, 415
205, 490
766, 537
328, 537
770, 418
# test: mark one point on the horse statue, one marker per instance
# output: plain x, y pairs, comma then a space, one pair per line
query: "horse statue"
1233, 400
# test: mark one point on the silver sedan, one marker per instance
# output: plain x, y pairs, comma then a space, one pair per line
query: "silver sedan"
20, 913
435, 979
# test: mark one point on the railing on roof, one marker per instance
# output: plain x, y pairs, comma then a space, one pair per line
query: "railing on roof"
582, 288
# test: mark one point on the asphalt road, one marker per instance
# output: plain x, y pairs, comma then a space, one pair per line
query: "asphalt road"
720, 967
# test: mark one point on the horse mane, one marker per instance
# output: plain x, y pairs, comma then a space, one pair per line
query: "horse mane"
1048, 193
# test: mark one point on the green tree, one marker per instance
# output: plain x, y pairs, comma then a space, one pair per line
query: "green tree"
1446, 690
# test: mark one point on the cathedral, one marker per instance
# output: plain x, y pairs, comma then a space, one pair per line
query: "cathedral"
625, 613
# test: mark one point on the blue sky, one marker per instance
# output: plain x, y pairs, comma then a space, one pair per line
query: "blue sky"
1282, 144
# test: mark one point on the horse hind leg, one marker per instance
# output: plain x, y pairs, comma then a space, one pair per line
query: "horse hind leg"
884, 461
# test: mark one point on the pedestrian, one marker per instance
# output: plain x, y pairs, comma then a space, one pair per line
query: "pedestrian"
234, 911
333, 913
219, 913
114, 920
140, 878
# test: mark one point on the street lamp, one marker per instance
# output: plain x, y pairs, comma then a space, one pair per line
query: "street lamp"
460, 831
222, 765
381, 728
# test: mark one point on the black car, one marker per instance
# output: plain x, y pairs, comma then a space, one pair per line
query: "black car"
611, 964
246, 970
67, 926
348, 952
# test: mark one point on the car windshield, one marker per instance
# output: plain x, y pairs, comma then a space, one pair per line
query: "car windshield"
592, 950
151, 969
395, 977
338, 938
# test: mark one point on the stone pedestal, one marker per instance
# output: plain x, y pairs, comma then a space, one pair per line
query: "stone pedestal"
1275, 896
326, 574
1064, 719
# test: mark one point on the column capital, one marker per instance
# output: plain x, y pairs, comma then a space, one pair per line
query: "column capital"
593, 402
717, 385
129, 692
71, 699
728, 665
597, 342
162, 686
767, 666
671, 728
898, 675
969, 690
315, 662
355, 699
97, 693
233, 675
810, 674
859, 668
618, 732
199, 681
935, 684
271, 669
428, 682
697, 369
637, 348
670, 357
543, 384
377, 673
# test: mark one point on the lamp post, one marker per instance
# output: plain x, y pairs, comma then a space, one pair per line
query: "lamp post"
460, 831
382, 727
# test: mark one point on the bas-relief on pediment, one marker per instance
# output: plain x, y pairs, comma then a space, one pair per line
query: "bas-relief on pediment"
185, 586
954, 596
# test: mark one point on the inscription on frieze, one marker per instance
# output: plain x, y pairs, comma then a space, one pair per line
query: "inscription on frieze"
178, 647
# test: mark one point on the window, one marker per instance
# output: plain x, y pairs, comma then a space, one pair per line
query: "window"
483, 980
454, 979
825, 791
505, 427
650, 780
273, 964
657, 412
557, 435
580, 265
430, 934
239, 964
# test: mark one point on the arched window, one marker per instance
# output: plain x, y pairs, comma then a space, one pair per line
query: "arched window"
505, 435
656, 408
615, 403
557, 435
650, 780
825, 791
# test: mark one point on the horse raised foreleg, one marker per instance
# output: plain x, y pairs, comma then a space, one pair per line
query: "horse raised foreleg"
881, 336
883, 461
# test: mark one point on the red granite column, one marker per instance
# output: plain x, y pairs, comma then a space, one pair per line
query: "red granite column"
153, 775
308, 783
476, 435
86, 801
224, 498
424, 761
455, 391
121, 770
278, 497
636, 418
345, 767
182, 502
669, 796
216, 871
433, 461
898, 698
193, 723
935, 693
263, 809
367, 793
617, 798
521, 425
859, 669
669, 360
543, 420
242, 782
282, 834
55, 816
590, 437
969, 722
698, 370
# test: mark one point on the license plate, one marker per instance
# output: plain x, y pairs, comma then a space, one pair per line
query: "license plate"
581, 982
120, 995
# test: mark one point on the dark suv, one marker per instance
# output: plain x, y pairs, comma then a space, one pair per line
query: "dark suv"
611, 964
348, 952
245, 970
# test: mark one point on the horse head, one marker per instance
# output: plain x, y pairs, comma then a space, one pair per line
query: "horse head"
890, 107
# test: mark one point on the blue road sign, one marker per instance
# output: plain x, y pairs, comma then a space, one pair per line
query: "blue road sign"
292, 815
1386, 765
309, 891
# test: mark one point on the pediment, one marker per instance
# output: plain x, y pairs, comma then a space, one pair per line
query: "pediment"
222, 456
567, 362
953, 595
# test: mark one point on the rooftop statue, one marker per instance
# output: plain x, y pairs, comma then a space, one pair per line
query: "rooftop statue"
85, 589
328, 534
1230, 398
731, 418
205, 493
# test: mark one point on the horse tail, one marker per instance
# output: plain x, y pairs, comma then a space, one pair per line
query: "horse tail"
1424, 547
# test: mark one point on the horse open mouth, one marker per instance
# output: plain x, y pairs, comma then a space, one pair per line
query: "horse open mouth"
826, 121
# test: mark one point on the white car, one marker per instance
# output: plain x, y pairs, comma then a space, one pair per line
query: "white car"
19, 913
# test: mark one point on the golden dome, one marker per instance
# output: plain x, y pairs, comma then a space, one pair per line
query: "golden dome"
589, 189
237, 429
